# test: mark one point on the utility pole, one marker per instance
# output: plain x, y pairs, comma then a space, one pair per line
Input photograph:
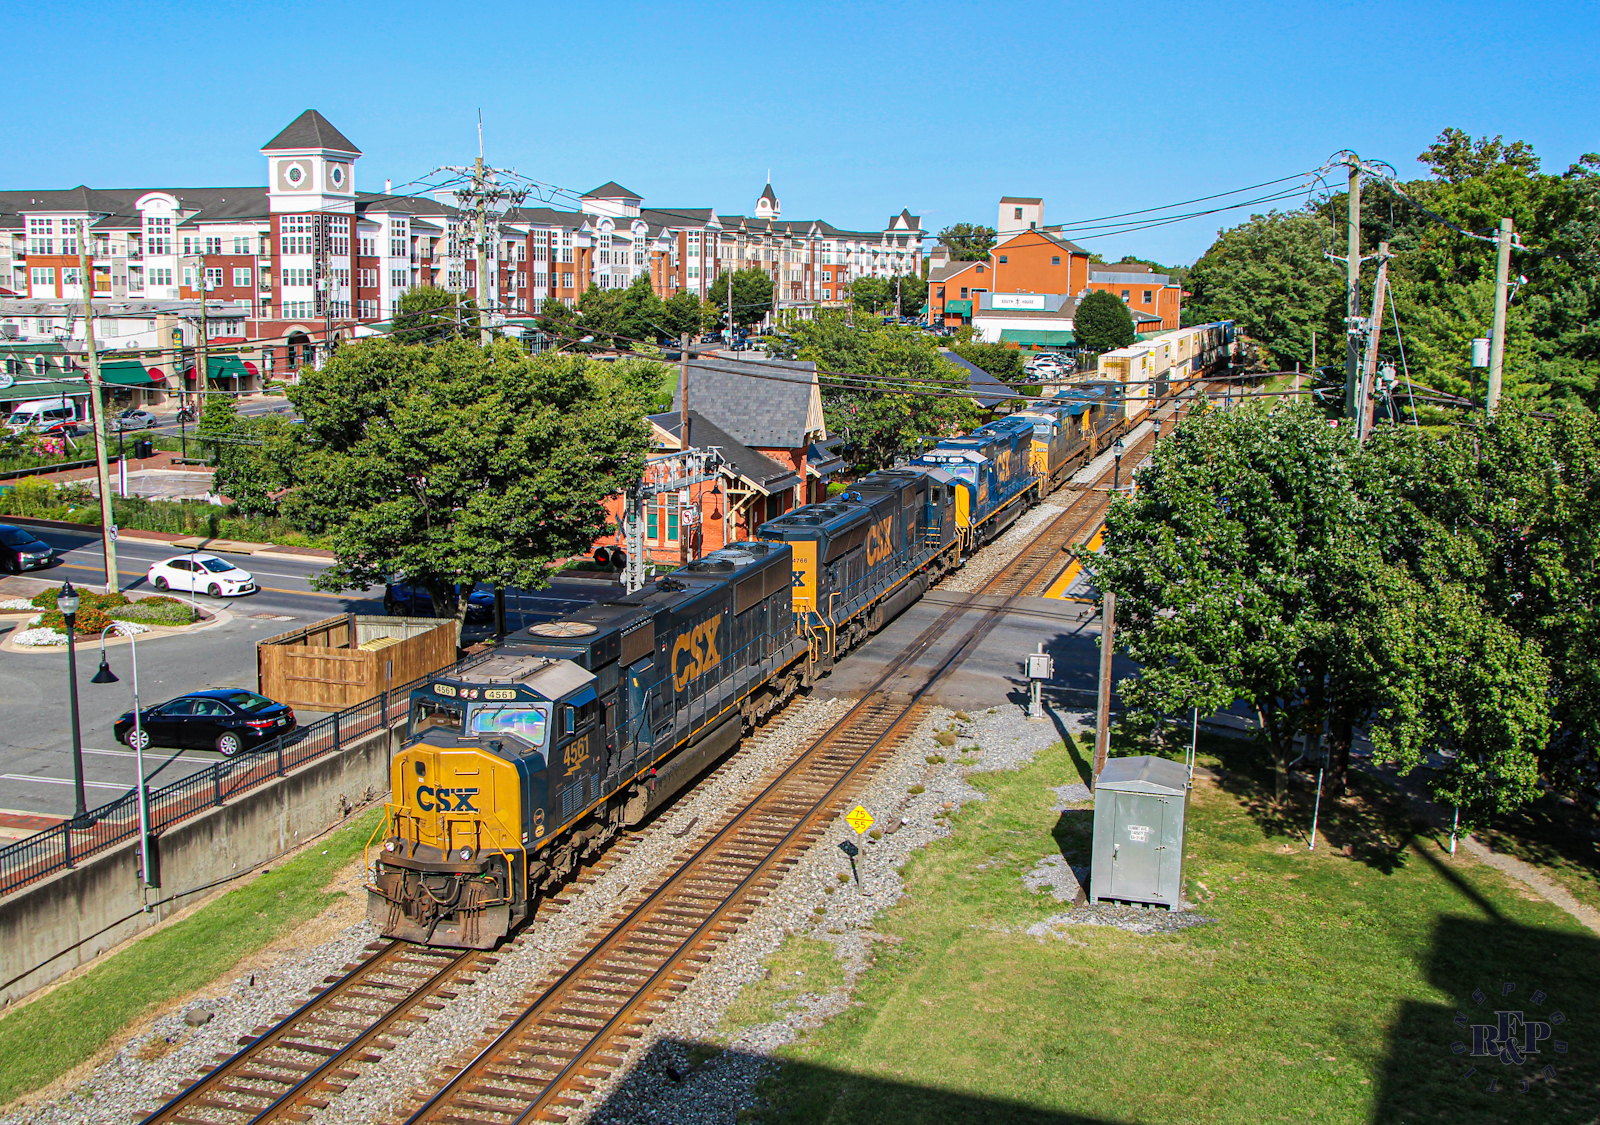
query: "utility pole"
97, 413
1352, 312
1369, 367
730, 309
202, 357
478, 183
683, 441
1102, 722
1497, 340
1313, 354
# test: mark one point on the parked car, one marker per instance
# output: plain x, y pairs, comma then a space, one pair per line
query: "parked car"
134, 420
202, 572
44, 416
20, 550
226, 720
400, 599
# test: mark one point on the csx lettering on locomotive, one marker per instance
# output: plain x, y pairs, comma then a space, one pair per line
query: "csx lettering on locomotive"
430, 799
694, 653
880, 540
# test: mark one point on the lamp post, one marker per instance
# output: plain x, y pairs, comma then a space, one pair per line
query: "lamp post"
1116, 472
1156, 430
137, 740
67, 602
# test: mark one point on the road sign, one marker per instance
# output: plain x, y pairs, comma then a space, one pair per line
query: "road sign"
6, 379
859, 819
113, 533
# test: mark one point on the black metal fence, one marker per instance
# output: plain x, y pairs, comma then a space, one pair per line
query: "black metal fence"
55, 849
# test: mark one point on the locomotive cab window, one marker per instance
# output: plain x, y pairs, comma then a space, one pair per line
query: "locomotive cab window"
429, 713
527, 724
579, 715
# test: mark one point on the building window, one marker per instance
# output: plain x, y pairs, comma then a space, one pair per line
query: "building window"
241, 277
45, 276
241, 244
1055, 259
1124, 294
397, 279
160, 275
295, 234
827, 294
978, 270
367, 310
1002, 259
297, 277
1147, 295
939, 293
963, 292
566, 281
213, 278
213, 244
1016, 212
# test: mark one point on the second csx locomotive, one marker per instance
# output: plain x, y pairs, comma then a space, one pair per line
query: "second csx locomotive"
522, 764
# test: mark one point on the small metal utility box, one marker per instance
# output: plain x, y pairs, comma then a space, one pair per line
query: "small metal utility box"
1140, 806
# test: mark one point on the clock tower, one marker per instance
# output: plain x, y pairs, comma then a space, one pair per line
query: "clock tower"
311, 167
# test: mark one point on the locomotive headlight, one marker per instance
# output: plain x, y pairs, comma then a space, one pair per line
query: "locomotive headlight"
466, 853
388, 845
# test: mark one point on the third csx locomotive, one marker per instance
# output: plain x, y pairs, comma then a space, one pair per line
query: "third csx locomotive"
522, 764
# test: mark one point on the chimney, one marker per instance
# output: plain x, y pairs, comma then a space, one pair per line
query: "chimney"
388, 187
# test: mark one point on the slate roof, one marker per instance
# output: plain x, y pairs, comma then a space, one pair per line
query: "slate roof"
986, 389
310, 130
1048, 235
612, 190
757, 468
766, 193
1019, 199
763, 403
946, 272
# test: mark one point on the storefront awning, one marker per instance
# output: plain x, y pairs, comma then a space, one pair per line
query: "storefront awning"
127, 373
223, 367
1037, 337
958, 308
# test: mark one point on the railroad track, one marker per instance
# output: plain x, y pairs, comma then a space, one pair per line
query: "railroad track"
1047, 557
283, 1071
576, 1031
581, 1023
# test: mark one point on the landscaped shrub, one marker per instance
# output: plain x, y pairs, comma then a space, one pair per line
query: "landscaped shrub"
87, 599
156, 611
89, 622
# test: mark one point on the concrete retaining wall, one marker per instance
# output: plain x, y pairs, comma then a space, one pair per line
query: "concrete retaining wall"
75, 915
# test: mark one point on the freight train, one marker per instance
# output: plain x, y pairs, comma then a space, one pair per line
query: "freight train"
518, 767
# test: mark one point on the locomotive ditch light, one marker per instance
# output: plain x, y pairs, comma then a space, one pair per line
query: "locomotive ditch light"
388, 845
466, 854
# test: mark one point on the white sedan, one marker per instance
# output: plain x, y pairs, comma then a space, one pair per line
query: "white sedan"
201, 572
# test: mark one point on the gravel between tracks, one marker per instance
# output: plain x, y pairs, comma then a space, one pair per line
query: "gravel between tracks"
998, 555
718, 1088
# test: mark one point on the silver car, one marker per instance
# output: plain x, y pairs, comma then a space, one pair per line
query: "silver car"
134, 420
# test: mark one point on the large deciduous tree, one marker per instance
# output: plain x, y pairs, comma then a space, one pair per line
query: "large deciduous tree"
968, 242
429, 314
904, 390
453, 464
1102, 322
752, 296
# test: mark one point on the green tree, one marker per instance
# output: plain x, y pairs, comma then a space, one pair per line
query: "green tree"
685, 312
752, 296
1005, 364
879, 415
219, 421
872, 294
968, 242
256, 465
454, 464
1102, 322
429, 314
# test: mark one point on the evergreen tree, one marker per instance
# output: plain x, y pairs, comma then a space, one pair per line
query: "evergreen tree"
1102, 322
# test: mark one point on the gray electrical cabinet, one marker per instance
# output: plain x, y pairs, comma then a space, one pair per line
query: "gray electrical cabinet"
1140, 806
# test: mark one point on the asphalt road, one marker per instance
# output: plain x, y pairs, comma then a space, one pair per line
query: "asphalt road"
35, 749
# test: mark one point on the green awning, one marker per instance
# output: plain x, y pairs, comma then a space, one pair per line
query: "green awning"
124, 373
958, 308
222, 367
1037, 337
28, 388
923, 311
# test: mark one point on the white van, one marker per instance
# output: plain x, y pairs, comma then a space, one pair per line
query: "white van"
41, 414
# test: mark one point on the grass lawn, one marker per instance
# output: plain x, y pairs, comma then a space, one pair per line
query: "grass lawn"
45, 1039
1325, 991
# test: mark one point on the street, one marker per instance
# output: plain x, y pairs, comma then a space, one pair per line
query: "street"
35, 754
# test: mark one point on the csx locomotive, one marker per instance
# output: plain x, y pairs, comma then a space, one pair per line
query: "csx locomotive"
522, 764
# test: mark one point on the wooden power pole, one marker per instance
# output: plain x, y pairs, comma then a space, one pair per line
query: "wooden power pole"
1352, 273
1497, 340
1369, 366
97, 413
1102, 722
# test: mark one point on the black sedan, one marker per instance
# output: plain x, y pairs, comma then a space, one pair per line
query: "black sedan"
226, 720
21, 550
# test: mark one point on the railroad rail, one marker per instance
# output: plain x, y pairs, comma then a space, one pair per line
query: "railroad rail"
305, 1059
577, 1028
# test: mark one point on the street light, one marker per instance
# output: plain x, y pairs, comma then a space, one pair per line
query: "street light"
1156, 428
67, 602
137, 740
1116, 473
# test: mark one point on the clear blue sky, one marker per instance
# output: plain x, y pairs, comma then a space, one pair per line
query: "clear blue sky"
859, 109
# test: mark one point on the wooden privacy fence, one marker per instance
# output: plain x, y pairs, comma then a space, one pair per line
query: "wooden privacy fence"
340, 661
